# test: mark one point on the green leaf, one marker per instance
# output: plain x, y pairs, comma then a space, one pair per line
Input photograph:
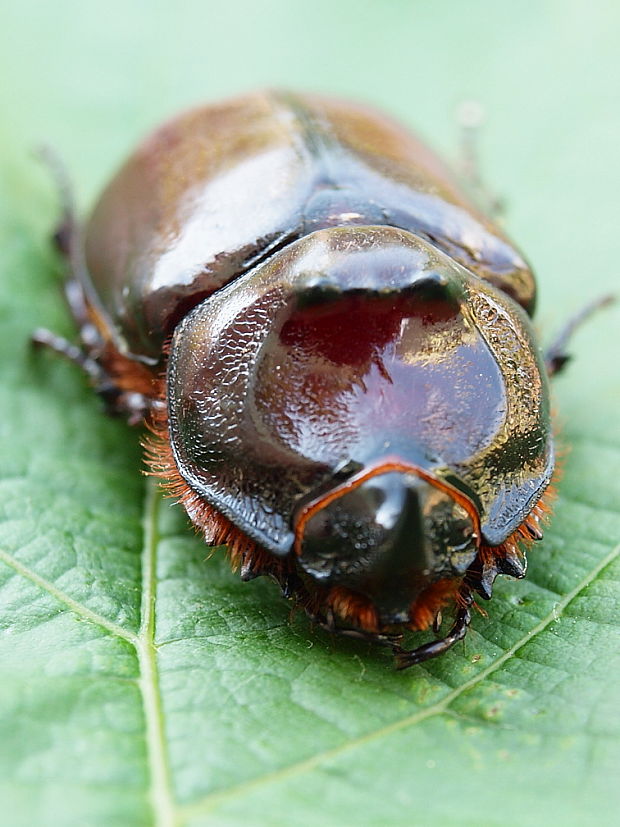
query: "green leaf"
142, 683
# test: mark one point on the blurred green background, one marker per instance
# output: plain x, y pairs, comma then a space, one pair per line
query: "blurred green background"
216, 709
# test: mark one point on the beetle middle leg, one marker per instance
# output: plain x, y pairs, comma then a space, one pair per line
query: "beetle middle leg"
409, 657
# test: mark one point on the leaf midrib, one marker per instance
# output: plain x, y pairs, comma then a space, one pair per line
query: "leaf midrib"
160, 794
166, 811
160, 787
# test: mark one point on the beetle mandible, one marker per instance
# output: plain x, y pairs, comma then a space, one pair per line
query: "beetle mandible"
353, 398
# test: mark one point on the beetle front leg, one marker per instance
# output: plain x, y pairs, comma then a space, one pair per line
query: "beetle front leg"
378, 638
409, 657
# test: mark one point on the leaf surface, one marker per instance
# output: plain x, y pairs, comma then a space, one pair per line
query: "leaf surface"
142, 683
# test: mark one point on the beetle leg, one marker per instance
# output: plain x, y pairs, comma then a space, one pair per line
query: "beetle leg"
370, 637
118, 402
45, 338
328, 624
66, 238
556, 355
93, 356
130, 404
409, 657
470, 117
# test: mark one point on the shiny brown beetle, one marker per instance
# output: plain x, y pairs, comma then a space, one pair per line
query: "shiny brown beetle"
353, 398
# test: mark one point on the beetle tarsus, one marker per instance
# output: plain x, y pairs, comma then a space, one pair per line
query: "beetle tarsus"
289, 585
89, 354
382, 639
45, 338
328, 623
534, 531
556, 355
409, 657
117, 402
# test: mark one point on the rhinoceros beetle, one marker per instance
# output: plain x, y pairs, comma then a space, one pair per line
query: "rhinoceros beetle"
333, 349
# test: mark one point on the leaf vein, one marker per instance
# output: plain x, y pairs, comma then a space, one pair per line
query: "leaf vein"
211, 800
62, 597
160, 789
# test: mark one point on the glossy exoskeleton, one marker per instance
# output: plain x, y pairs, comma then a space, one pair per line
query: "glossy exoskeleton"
354, 400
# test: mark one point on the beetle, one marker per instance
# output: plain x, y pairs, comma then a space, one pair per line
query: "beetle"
333, 348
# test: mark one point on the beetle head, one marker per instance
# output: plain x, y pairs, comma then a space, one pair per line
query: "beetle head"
388, 535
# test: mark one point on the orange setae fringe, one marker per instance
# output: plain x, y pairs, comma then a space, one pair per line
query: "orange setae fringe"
423, 611
351, 608
128, 374
159, 458
526, 534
